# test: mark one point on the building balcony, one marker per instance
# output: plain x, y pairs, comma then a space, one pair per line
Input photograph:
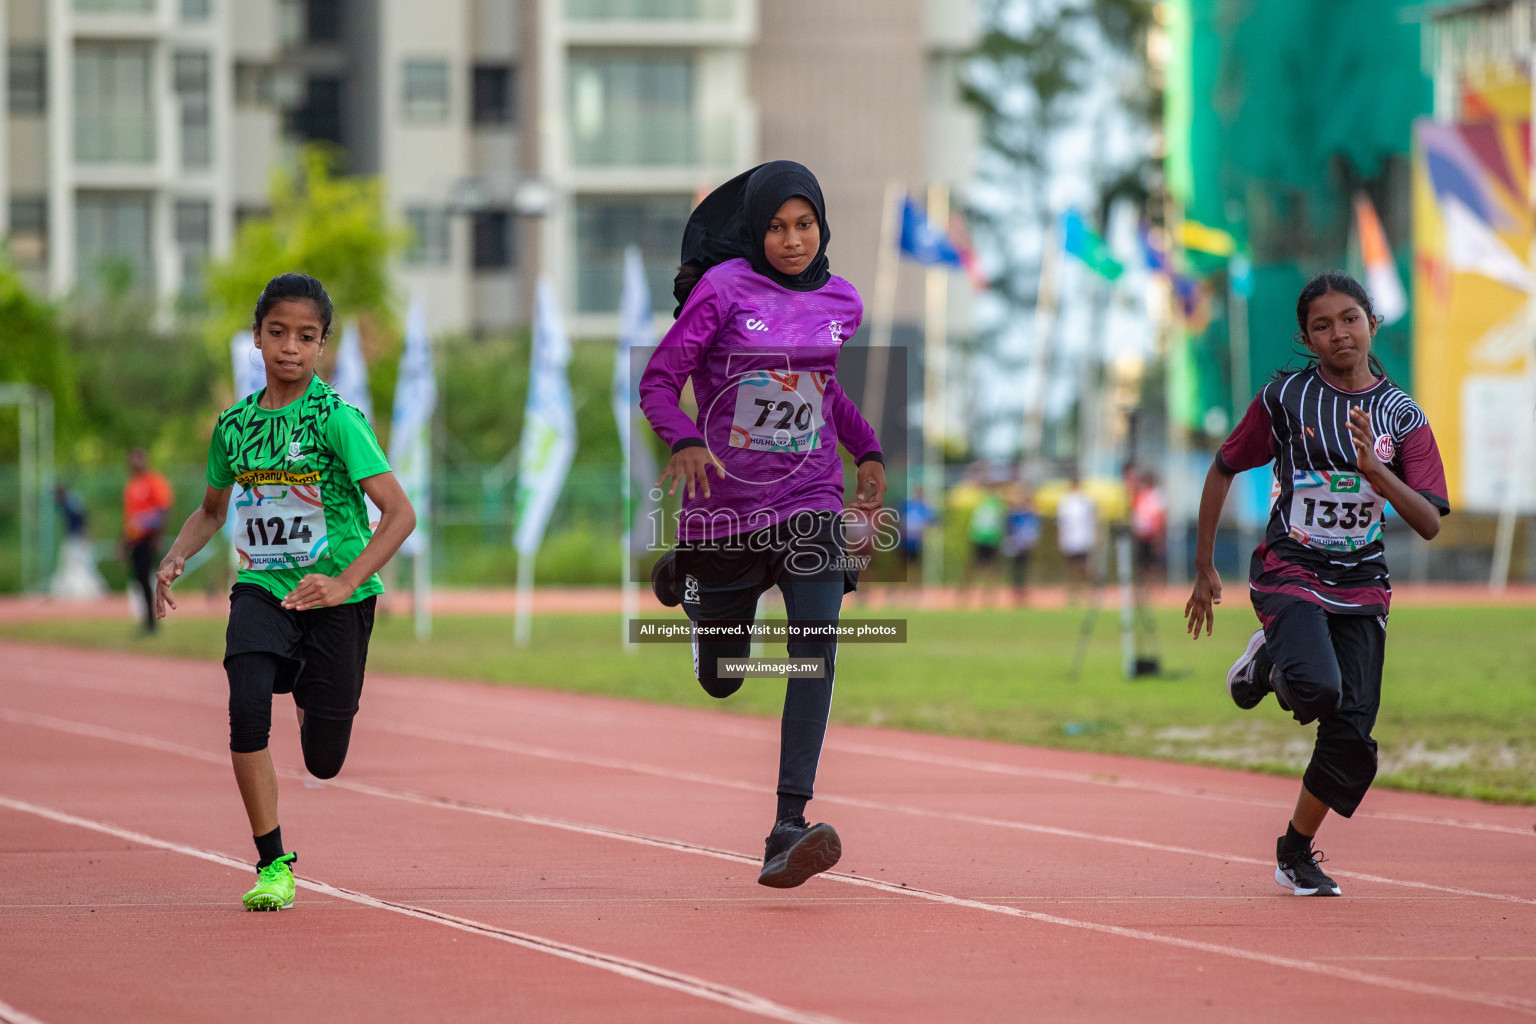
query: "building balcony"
664, 154
660, 22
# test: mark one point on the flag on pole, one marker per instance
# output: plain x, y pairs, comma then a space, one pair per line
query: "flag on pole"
549, 424
410, 431
250, 371
634, 333
924, 241
350, 379
1203, 238
1387, 295
250, 377
1079, 240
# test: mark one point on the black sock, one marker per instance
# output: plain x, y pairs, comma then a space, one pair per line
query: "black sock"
269, 847
791, 806
1295, 840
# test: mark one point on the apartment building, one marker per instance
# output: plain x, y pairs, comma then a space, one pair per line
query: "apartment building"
513, 137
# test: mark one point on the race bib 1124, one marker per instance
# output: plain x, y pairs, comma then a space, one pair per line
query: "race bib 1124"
280, 520
1334, 511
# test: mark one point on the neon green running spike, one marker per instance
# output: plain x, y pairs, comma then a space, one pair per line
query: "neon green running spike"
274, 886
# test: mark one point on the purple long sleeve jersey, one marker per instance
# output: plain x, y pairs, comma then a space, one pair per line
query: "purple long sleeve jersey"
763, 360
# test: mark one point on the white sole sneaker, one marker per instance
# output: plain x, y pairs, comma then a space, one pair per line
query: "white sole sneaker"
1285, 881
1241, 668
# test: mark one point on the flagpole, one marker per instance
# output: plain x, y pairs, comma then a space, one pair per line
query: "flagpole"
1045, 318
936, 302
886, 268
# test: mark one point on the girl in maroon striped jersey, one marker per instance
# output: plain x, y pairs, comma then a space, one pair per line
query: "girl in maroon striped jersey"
1345, 442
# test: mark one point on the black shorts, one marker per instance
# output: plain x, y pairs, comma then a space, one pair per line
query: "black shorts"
324, 650
806, 546
984, 554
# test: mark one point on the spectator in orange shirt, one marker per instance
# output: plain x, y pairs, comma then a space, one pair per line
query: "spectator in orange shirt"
147, 501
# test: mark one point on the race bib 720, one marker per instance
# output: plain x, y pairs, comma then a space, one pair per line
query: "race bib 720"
778, 411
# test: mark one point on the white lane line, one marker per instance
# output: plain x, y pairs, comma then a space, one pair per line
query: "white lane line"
660, 842
412, 689
10, 1015
617, 764
633, 969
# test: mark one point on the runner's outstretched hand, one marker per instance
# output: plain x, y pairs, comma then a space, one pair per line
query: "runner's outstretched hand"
869, 493
317, 591
170, 571
689, 466
1364, 439
1198, 610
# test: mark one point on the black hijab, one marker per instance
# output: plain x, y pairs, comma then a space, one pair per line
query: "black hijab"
731, 221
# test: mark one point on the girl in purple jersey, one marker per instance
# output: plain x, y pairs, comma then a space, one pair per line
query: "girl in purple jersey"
760, 322
1345, 442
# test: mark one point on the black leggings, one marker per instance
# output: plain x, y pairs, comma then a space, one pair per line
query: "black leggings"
1328, 670
807, 702
251, 680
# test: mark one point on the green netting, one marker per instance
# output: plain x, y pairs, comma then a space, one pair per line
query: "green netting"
1276, 113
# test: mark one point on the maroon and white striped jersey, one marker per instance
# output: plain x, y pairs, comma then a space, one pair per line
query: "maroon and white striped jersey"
1324, 541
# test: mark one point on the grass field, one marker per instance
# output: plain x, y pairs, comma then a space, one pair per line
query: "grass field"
1458, 713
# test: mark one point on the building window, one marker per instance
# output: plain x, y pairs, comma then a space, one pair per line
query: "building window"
493, 240
196, 10
27, 76
29, 232
114, 108
320, 116
194, 239
424, 93
494, 100
324, 21
114, 6
606, 225
631, 109
114, 235
429, 237
192, 91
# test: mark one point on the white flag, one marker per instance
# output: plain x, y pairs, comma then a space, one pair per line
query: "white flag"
250, 377
549, 424
250, 371
350, 378
410, 432
634, 333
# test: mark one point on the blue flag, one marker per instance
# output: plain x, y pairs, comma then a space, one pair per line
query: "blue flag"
923, 241
549, 424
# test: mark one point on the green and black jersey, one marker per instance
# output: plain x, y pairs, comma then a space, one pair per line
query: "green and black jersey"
299, 509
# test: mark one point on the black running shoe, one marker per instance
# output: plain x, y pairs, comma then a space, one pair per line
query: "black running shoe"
795, 851
1298, 870
1243, 679
664, 580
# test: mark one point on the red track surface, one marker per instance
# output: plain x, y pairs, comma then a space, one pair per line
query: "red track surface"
501, 854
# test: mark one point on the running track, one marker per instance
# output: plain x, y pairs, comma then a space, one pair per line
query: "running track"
494, 854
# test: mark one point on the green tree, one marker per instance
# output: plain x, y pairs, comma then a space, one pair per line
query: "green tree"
34, 351
333, 228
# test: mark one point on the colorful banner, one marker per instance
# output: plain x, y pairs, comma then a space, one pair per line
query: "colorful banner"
1080, 240
640, 470
1473, 291
549, 424
410, 431
1388, 299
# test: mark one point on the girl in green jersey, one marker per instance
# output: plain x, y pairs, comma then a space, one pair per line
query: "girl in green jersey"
301, 611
